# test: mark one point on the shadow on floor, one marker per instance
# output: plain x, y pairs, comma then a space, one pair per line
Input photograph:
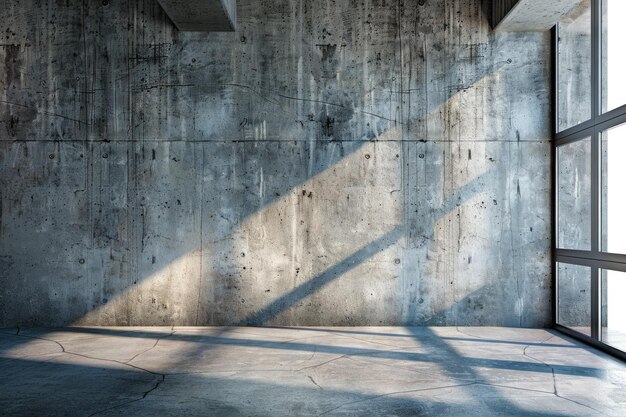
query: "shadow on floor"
45, 385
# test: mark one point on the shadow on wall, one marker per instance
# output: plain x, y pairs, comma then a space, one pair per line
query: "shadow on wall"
291, 251
310, 215
280, 263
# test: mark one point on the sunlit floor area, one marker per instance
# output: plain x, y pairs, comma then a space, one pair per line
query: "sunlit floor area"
615, 338
390, 371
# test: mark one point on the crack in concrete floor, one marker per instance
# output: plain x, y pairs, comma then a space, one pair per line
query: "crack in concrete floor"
360, 357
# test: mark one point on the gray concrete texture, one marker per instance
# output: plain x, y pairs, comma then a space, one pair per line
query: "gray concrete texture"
331, 163
356, 371
534, 15
202, 15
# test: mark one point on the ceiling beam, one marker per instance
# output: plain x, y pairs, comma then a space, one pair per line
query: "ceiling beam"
202, 15
530, 15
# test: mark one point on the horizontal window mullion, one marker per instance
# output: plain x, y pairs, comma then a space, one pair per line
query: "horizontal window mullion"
605, 123
574, 253
598, 260
575, 136
612, 257
575, 130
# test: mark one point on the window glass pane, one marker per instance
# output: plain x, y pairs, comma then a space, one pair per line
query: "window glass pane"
613, 194
613, 57
574, 66
614, 309
574, 182
574, 303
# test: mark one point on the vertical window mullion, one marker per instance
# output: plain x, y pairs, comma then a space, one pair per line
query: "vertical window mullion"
595, 232
556, 69
596, 44
596, 304
555, 165
555, 231
596, 110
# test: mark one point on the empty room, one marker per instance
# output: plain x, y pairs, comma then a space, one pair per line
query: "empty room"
251, 208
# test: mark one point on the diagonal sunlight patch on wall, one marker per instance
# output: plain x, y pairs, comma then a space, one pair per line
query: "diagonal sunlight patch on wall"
361, 261
173, 279
451, 244
295, 237
343, 224
274, 236
233, 271
484, 172
299, 236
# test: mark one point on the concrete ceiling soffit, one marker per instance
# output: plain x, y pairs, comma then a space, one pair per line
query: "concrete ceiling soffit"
531, 15
202, 15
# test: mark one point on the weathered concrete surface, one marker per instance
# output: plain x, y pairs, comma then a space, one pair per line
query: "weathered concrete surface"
536, 15
385, 371
348, 163
499, 9
202, 15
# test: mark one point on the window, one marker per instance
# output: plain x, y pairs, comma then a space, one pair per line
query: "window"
574, 69
613, 195
574, 289
575, 195
614, 308
613, 58
590, 173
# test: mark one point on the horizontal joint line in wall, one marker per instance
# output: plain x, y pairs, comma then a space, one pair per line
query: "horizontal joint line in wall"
265, 140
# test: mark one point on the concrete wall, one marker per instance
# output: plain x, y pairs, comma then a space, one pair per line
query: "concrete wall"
331, 163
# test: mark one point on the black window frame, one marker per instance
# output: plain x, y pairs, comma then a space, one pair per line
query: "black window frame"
599, 122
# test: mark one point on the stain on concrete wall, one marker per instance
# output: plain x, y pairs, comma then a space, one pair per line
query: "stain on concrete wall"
332, 163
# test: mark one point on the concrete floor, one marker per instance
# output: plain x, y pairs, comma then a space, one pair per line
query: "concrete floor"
305, 371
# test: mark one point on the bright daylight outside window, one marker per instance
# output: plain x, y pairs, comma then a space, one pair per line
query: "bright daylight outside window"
590, 172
